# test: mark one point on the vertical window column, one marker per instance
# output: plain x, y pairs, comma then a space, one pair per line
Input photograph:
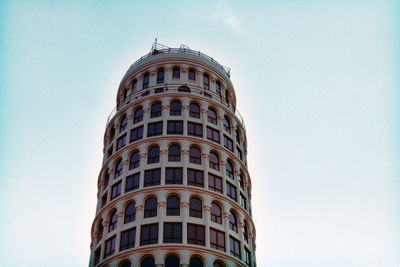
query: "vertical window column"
146, 117
120, 221
161, 210
241, 228
168, 73
185, 216
204, 119
199, 78
207, 218
226, 216
139, 215
143, 162
185, 160
163, 162
205, 162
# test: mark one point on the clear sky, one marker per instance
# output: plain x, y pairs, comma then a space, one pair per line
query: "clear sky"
317, 84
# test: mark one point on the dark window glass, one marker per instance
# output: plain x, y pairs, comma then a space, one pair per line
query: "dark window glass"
195, 177
147, 262
127, 239
150, 207
195, 208
152, 177
110, 247
97, 255
138, 116
248, 256
194, 111
195, 234
176, 72
243, 201
218, 264
213, 135
245, 233
118, 169
121, 142
195, 129
113, 221
175, 127
137, 134
134, 160
134, 86
109, 152
116, 190
125, 94
229, 170
175, 108
192, 74
106, 179
215, 183
172, 233
233, 222
227, 97
154, 129
218, 88
130, 213
234, 247
158, 90
125, 263
217, 239
184, 89
194, 155
173, 176
216, 213
196, 262
132, 182
206, 82
237, 135
160, 76
172, 261
239, 153
173, 206
231, 191
155, 110
174, 153
228, 143
104, 199
153, 155
100, 230
149, 235
227, 125
123, 124
212, 116
214, 161
146, 79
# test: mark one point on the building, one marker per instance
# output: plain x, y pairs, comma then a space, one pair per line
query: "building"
174, 189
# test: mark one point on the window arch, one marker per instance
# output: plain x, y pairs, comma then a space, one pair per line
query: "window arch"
130, 213
212, 116
184, 89
153, 155
214, 161
134, 160
147, 262
233, 222
206, 81
218, 264
113, 221
194, 155
192, 74
171, 261
227, 124
173, 206
196, 262
160, 76
195, 208
175, 108
150, 207
194, 110
216, 213
125, 263
174, 153
176, 72
138, 115
229, 170
134, 86
218, 88
146, 79
155, 110
118, 168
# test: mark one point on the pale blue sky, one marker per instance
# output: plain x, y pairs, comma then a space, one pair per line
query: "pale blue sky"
316, 83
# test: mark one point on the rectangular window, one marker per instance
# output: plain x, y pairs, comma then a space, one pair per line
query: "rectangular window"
176, 73
239, 153
121, 142
158, 90
137, 134
154, 129
195, 177
234, 247
149, 234
116, 190
213, 134
196, 234
248, 256
215, 183
109, 152
173, 176
228, 143
104, 199
110, 247
243, 201
146, 79
172, 233
160, 76
127, 239
152, 177
195, 129
132, 182
97, 255
231, 191
217, 239
175, 127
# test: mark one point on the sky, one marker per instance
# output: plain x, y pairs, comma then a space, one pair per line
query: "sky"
316, 82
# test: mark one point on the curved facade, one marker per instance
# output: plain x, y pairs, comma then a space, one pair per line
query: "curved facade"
174, 189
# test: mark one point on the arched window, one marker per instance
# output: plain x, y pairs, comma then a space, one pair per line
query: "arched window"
160, 76
175, 108
153, 155
218, 264
218, 88
216, 214
195, 208
100, 230
229, 169
138, 116
227, 97
192, 74
118, 168
125, 263
173, 206
130, 213
147, 262
150, 207
134, 160
155, 110
134, 86
113, 221
146, 79
184, 89
172, 261
206, 82
227, 125
246, 233
112, 134
237, 135
194, 155
212, 116
106, 179
196, 262
174, 153
214, 161
125, 94
233, 222
123, 124
241, 180
194, 111
176, 73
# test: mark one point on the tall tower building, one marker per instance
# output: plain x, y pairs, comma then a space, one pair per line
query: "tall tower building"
174, 189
